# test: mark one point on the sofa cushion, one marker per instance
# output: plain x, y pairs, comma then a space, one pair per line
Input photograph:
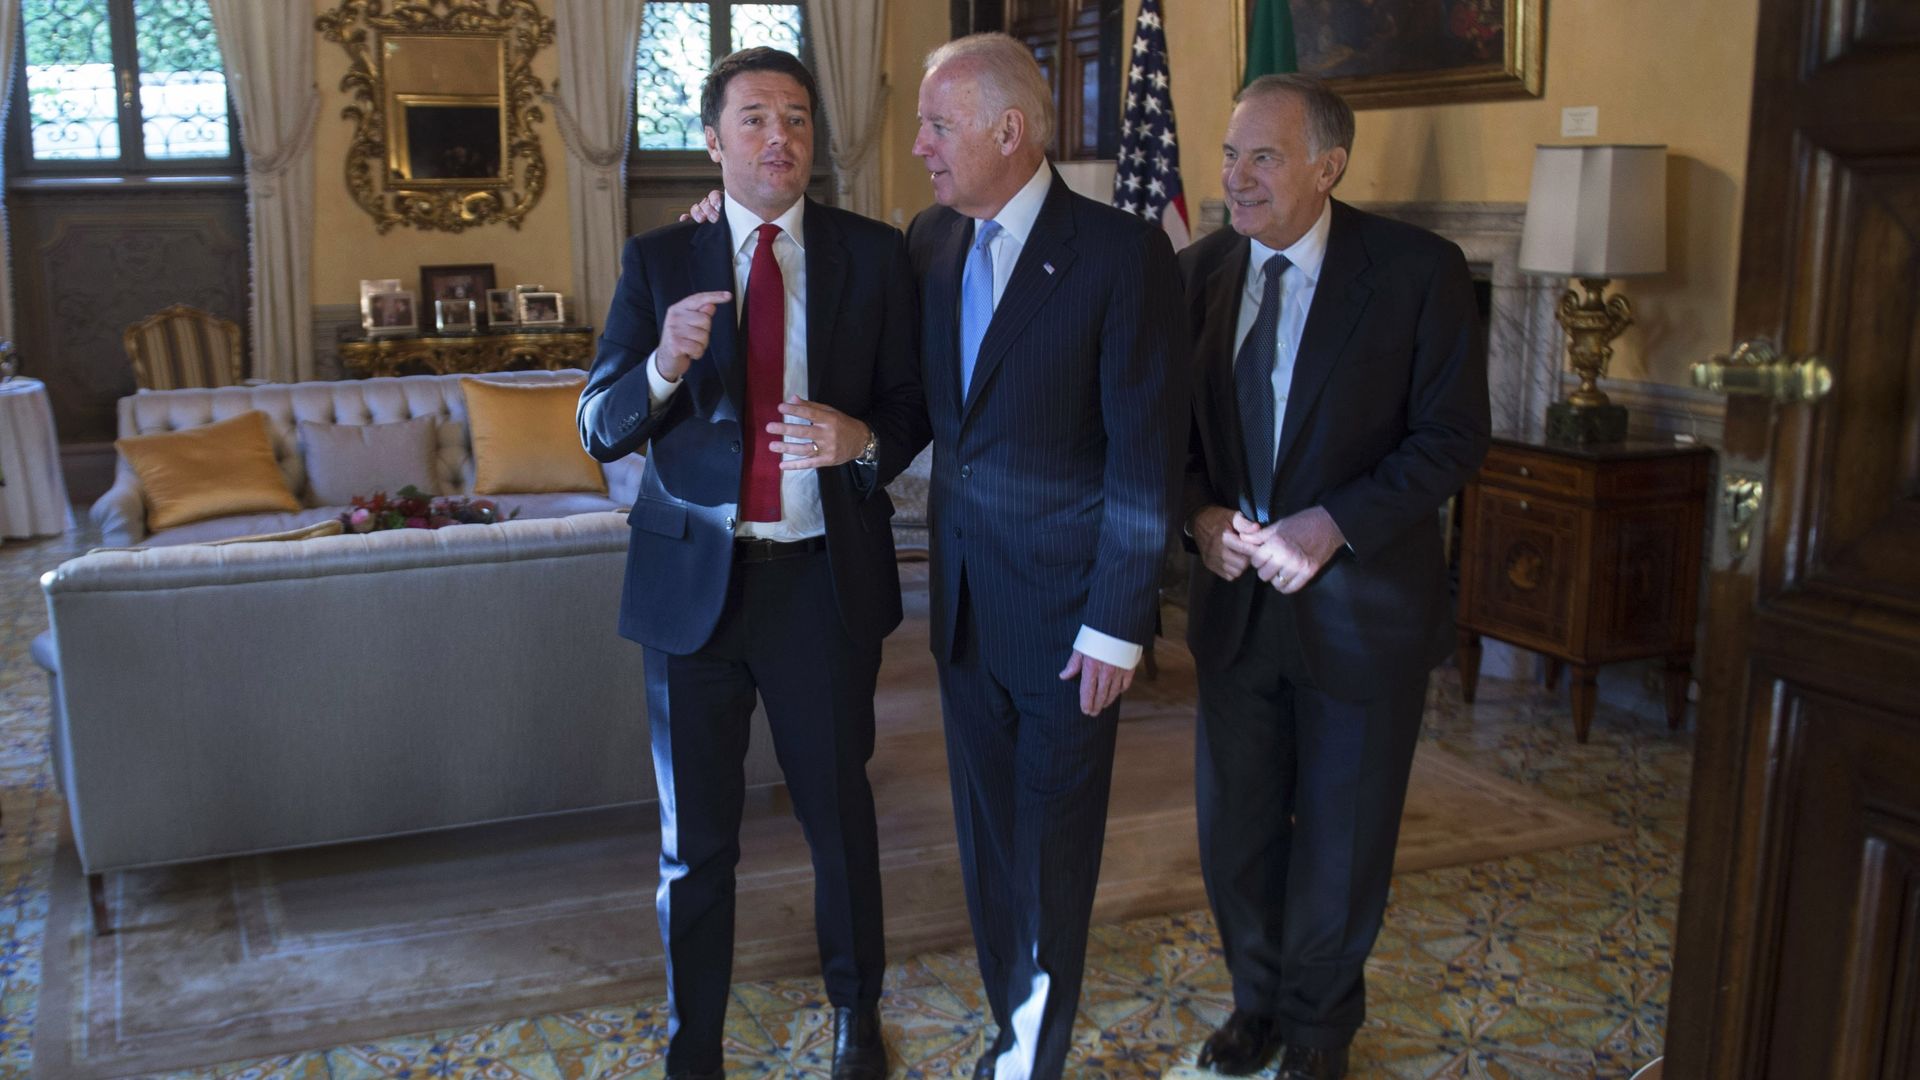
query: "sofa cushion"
226, 467
525, 439
226, 528
330, 527
345, 460
550, 504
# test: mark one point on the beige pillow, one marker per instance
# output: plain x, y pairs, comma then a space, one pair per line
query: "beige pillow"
345, 460
226, 467
525, 439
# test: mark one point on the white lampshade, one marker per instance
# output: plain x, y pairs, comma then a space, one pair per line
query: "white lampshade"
1596, 211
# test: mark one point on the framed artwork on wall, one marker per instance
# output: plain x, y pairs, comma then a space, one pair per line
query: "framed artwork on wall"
1390, 53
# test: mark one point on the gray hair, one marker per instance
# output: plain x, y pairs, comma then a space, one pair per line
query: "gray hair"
1009, 79
1329, 117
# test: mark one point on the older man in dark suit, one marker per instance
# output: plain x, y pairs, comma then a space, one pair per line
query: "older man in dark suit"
1053, 341
1338, 402
762, 555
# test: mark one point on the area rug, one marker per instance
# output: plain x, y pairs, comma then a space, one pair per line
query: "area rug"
329, 947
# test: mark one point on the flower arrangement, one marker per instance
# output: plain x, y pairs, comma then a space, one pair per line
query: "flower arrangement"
415, 509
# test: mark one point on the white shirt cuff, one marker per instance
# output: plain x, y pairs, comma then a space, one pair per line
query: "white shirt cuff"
1107, 649
658, 388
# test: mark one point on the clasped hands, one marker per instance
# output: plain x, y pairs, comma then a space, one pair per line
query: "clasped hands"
829, 436
1286, 554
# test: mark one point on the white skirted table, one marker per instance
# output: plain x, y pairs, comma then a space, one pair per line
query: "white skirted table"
33, 500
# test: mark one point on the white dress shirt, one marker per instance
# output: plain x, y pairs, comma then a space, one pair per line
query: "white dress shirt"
1296, 298
800, 513
1016, 224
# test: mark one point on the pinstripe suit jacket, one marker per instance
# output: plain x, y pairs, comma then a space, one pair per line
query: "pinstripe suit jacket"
861, 334
1055, 475
1386, 418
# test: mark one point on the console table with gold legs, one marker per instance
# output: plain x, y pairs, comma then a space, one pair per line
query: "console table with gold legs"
492, 349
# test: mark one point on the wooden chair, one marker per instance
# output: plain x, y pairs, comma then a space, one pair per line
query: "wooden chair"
183, 347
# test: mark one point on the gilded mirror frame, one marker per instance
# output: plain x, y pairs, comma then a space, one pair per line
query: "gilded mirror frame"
373, 173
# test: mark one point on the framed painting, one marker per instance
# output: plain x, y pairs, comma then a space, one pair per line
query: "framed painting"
1389, 53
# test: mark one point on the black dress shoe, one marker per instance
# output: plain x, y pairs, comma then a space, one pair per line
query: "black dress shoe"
1243, 1045
1308, 1063
859, 1053
716, 1074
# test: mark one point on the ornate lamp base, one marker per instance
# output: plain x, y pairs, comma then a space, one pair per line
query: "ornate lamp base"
1584, 425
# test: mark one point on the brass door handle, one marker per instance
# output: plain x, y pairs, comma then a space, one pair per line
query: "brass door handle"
126, 89
1740, 495
1756, 368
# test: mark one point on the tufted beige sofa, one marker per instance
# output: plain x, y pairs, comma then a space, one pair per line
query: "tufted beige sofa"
121, 512
217, 700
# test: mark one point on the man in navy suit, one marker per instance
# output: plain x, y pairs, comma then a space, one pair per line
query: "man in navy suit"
1053, 344
762, 557
1339, 400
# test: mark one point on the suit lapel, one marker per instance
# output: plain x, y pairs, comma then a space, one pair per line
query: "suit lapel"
712, 271
1215, 350
826, 274
1044, 260
1338, 300
941, 364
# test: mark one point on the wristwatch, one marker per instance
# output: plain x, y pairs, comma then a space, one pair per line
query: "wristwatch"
870, 454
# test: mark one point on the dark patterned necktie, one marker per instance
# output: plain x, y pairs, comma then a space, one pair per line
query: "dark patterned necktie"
1253, 389
766, 379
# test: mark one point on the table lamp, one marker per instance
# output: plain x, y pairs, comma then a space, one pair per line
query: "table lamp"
1594, 212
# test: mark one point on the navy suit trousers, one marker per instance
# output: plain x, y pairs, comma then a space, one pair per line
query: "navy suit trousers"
778, 636
1030, 775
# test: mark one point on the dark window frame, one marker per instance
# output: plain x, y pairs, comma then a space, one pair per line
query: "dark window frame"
133, 163
719, 44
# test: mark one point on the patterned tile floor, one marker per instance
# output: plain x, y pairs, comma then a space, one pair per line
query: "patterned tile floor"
1554, 964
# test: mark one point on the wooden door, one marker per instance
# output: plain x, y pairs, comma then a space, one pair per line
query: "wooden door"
1798, 952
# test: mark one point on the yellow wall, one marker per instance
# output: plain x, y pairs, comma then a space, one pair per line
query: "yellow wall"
346, 247
1679, 74
914, 28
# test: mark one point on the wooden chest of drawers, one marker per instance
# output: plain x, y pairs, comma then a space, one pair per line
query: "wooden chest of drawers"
1587, 555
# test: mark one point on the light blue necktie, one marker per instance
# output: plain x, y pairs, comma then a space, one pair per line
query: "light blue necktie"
976, 299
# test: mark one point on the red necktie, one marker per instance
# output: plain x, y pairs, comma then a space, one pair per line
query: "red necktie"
766, 378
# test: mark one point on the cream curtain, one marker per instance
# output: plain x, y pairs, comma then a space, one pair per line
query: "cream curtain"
9, 29
592, 104
848, 46
268, 51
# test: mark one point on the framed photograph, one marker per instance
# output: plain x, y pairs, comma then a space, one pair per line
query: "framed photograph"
454, 316
541, 309
1389, 53
501, 309
455, 282
369, 288
392, 313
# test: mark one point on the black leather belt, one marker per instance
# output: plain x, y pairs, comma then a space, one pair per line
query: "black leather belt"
756, 550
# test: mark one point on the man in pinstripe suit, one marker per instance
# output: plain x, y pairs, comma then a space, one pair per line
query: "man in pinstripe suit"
1052, 344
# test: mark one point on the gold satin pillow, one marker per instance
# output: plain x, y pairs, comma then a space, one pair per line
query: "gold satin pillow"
226, 467
525, 439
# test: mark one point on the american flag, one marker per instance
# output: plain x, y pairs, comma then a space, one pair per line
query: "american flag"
1147, 181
